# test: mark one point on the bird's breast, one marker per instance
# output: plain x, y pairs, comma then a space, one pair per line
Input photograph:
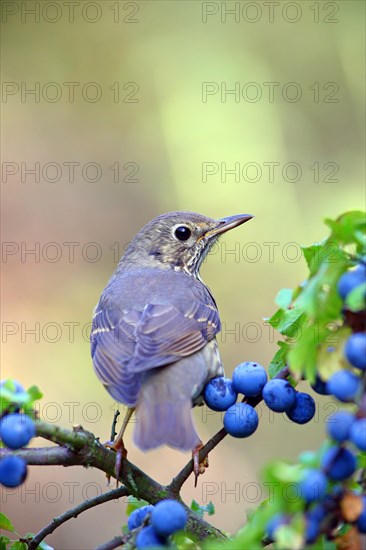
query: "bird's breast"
214, 367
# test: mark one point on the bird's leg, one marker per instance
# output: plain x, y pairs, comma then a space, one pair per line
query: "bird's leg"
198, 467
118, 445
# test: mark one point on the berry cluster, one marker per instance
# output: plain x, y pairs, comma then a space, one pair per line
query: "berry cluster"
250, 379
346, 384
326, 497
157, 523
328, 488
16, 431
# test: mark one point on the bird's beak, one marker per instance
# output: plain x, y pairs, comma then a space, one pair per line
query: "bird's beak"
228, 223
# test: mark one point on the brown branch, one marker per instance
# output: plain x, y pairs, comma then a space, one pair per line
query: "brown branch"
177, 482
74, 512
114, 424
46, 456
116, 542
79, 447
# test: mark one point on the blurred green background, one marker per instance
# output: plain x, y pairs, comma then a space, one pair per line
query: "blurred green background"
131, 115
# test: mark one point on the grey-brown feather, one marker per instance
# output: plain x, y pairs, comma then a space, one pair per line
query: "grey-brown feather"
149, 350
153, 332
166, 397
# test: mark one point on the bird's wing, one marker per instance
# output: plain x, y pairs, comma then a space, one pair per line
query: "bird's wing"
112, 344
127, 343
164, 333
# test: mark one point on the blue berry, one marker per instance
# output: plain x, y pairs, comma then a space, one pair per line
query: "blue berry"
279, 395
358, 434
317, 512
350, 280
338, 463
303, 409
137, 516
168, 517
339, 425
249, 378
320, 386
13, 471
16, 430
241, 420
274, 523
219, 394
355, 350
313, 485
148, 538
344, 385
361, 522
312, 529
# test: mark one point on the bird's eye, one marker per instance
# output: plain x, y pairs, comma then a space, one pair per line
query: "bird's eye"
182, 233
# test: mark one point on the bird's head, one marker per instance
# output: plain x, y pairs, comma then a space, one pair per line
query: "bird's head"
178, 240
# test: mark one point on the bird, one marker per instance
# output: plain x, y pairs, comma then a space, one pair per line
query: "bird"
153, 334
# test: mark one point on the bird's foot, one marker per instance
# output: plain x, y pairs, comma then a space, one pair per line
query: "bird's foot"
121, 454
198, 467
116, 444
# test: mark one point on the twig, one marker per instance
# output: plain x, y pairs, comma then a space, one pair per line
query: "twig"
111, 544
114, 424
46, 456
176, 484
73, 513
79, 447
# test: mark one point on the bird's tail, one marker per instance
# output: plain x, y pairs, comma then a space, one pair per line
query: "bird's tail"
162, 421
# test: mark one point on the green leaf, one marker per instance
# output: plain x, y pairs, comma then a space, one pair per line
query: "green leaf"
323, 544
5, 523
200, 510
310, 459
282, 472
284, 298
195, 507
4, 541
315, 255
355, 300
288, 536
25, 400
34, 393
349, 228
344, 529
361, 460
302, 356
330, 353
287, 321
319, 299
279, 361
288, 473
43, 545
18, 546
184, 542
